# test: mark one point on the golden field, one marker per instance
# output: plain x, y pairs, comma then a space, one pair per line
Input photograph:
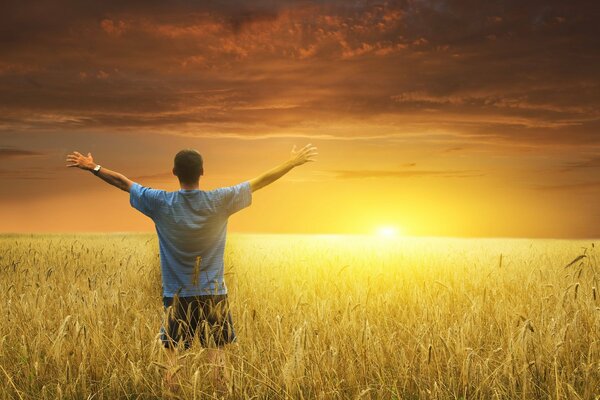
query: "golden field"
328, 317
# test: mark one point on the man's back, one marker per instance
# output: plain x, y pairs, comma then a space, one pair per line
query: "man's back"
191, 227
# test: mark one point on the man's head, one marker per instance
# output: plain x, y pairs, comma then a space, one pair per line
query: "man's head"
188, 166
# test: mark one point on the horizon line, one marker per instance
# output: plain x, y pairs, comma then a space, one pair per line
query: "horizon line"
399, 237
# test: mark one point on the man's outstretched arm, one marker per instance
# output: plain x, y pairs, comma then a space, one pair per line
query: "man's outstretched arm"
297, 158
87, 163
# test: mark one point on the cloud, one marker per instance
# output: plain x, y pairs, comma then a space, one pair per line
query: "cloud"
281, 68
31, 173
12, 153
453, 149
363, 174
570, 187
589, 163
514, 83
115, 28
159, 176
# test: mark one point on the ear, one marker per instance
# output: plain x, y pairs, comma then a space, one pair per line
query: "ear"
174, 173
202, 171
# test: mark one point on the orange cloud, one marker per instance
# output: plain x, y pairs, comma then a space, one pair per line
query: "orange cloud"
503, 93
113, 28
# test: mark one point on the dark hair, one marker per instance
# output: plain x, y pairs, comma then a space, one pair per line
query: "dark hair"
188, 166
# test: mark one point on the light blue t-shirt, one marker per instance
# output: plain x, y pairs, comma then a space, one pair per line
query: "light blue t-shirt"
191, 224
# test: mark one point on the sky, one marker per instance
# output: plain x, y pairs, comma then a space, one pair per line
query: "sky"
443, 118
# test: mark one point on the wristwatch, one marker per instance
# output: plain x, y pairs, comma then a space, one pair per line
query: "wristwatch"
96, 169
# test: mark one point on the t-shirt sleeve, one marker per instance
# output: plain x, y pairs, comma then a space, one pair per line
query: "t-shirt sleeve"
145, 199
234, 198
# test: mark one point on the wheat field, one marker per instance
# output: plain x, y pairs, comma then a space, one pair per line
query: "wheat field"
317, 317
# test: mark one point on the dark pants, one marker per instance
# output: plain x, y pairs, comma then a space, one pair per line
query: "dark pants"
209, 316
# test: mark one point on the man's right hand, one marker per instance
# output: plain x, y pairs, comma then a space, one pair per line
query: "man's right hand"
78, 160
304, 155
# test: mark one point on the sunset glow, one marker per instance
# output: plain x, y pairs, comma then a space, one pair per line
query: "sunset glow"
388, 231
456, 120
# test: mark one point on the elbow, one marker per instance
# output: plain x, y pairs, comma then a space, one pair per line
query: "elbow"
122, 184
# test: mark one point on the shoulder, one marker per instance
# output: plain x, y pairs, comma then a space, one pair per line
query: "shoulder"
226, 191
138, 190
214, 194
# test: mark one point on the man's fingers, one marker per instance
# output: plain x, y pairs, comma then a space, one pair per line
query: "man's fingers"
311, 155
306, 153
305, 147
71, 165
76, 152
308, 149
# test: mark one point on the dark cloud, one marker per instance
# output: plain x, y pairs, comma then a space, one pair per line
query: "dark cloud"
31, 173
570, 187
453, 149
589, 163
10, 152
509, 72
159, 176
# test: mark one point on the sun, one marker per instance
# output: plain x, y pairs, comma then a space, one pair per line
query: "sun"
388, 231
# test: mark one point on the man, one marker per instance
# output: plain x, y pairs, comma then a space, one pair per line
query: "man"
191, 225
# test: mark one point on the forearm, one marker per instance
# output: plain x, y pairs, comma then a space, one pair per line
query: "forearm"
114, 178
272, 175
87, 163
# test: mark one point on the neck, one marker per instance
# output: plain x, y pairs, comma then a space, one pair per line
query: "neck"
189, 186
